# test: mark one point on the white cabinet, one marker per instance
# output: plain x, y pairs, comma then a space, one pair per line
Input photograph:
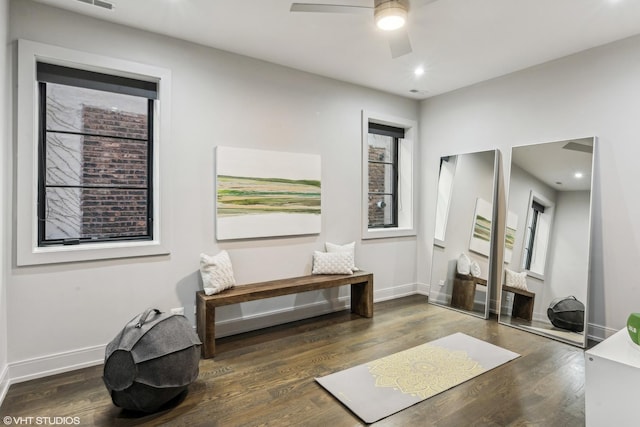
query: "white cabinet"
612, 392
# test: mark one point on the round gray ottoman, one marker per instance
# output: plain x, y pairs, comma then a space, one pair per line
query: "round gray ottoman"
151, 361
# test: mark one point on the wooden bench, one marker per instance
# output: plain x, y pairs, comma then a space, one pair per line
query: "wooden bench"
523, 302
361, 299
464, 291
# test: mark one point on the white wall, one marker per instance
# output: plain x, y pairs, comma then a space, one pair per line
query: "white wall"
61, 316
593, 93
568, 247
4, 178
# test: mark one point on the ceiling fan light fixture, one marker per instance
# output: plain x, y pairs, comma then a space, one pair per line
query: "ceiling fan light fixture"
390, 15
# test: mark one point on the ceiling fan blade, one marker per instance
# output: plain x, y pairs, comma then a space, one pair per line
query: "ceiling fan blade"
399, 43
329, 8
575, 146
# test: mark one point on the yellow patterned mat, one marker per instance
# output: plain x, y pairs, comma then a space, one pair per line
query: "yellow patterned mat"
424, 371
385, 386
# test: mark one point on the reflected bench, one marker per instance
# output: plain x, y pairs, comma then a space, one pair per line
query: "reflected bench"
522, 302
464, 291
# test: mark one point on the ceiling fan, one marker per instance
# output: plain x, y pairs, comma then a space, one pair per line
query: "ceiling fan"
389, 15
576, 146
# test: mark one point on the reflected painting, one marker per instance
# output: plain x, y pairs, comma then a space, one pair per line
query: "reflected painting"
510, 236
263, 193
481, 237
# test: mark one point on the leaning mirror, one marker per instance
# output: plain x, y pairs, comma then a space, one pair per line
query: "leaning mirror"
545, 283
463, 247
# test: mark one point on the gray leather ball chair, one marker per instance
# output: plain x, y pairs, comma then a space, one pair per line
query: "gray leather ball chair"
152, 361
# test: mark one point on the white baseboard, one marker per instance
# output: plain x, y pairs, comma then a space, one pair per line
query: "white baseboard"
45, 366
4, 382
262, 320
395, 292
598, 332
423, 289
243, 324
493, 306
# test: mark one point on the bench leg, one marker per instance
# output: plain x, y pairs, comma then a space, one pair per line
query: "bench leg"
206, 328
522, 307
362, 298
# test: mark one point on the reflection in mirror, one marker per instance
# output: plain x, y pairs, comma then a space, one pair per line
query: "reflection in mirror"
445, 183
460, 270
547, 243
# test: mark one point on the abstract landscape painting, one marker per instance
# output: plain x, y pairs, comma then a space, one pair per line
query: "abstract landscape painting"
261, 193
510, 236
481, 232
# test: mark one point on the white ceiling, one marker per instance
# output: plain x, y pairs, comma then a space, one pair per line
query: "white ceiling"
556, 165
458, 42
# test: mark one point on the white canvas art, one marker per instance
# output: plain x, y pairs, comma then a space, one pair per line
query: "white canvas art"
510, 236
481, 230
261, 193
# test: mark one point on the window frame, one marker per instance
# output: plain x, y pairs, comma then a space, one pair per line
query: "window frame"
406, 182
71, 81
393, 133
28, 251
446, 176
537, 243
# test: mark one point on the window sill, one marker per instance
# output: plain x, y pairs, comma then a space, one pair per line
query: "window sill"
90, 252
384, 233
535, 275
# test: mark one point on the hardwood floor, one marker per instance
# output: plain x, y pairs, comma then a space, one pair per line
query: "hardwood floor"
266, 377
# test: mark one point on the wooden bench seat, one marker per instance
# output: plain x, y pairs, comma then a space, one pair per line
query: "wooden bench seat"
464, 291
523, 302
361, 298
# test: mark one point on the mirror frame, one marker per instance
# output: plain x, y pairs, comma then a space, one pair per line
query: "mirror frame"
492, 264
560, 335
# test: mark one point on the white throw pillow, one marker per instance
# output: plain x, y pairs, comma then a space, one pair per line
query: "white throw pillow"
332, 263
349, 247
464, 264
516, 280
475, 269
217, 273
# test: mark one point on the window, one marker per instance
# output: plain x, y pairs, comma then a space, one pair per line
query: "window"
387, 176
445, 185
536, 240
92, 138
536, 210
95, 157
383, 174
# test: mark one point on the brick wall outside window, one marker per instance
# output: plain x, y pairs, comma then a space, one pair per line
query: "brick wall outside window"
376, 184
114, 162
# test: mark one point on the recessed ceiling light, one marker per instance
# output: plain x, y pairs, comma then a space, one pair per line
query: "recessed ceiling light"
418, 71
578, 175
